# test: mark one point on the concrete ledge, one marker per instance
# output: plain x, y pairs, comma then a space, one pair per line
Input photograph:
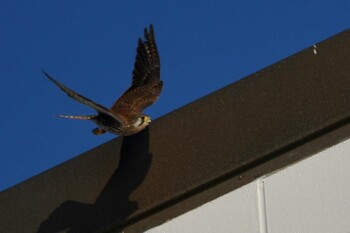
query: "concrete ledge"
194, 154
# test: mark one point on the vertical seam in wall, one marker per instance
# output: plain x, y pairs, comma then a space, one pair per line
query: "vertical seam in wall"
262, 206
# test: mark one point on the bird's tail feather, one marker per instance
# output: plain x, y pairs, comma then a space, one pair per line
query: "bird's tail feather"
77, 117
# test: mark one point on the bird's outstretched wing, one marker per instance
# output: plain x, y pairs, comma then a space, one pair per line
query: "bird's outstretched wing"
146, 84
82, 99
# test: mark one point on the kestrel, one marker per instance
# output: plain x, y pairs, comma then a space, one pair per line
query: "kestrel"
125, 116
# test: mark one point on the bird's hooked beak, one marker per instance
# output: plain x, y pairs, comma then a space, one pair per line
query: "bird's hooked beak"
148, 119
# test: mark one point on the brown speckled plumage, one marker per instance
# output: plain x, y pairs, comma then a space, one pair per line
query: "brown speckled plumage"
125, 117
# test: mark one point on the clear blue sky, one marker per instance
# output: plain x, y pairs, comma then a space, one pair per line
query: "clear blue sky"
90, 46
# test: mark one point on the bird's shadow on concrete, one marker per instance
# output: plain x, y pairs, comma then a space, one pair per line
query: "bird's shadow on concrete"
112, 206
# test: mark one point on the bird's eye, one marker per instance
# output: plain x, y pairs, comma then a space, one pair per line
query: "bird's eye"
142, 120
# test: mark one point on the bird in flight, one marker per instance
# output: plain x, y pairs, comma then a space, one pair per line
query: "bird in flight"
125, 117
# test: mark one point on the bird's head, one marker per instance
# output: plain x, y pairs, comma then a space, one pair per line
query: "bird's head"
142, 121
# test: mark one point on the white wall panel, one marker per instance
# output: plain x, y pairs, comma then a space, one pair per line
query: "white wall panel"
233, 212
312, 196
